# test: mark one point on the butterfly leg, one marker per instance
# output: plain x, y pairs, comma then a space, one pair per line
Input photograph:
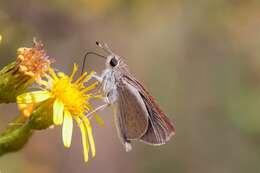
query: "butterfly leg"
102, 88
98, 78
101, 77
99, 108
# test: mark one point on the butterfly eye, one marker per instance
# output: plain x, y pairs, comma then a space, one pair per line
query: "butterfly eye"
113, 62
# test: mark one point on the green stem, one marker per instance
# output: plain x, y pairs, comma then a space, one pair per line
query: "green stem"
21, 129
15, 136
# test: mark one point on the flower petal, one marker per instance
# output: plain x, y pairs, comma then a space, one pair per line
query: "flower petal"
81, 78
58, 109
33, 97
89, 76
75, 69
42, 82
90, 136
99, 120
26, 109
90, 87
84, 137
67, 129
53, 74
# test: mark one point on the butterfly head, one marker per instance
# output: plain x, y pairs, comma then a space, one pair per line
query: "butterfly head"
112, 61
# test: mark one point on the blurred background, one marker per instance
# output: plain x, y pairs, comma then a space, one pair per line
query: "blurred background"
200, 59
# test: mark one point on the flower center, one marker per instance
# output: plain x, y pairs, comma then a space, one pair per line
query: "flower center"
70, 95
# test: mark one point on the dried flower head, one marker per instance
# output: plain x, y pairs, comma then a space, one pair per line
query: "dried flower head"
29, 67
33, 62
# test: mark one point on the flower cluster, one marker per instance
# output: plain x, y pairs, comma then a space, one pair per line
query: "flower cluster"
30, 65
67, 98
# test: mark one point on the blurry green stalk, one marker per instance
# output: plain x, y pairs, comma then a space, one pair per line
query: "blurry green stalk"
21, 129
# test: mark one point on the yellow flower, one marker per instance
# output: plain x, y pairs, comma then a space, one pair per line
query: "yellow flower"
69, 99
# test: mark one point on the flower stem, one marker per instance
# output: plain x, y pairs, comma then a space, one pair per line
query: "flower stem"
15, 136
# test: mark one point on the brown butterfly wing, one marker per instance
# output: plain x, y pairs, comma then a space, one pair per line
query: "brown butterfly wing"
160, 128
133, 115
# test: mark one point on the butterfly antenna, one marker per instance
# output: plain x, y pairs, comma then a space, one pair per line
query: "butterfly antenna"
105, 47
85, 57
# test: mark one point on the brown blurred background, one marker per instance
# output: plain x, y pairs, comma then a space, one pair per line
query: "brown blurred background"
200, 59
